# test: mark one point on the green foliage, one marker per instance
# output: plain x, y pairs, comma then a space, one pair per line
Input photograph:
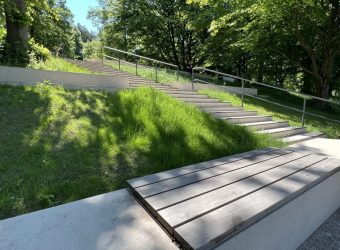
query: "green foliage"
162, 29
53, 27
59, 146
276, 40
15, 54
38, 52
92, 49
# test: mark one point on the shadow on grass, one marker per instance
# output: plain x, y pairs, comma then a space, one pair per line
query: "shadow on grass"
59, 146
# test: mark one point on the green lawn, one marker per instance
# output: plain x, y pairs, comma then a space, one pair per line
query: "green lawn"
332, 129
59, 146
59, 64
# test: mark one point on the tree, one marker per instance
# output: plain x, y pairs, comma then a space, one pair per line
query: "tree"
163, 29
304, 34
86, 35
18, 20
53, 27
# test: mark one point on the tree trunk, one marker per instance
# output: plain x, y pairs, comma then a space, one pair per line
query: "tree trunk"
16, 49
322, 91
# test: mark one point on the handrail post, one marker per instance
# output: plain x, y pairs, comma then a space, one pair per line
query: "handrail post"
102, 52
177, 74
242, 93
156, 72
118, 61
192, 78
303, 111
136, 67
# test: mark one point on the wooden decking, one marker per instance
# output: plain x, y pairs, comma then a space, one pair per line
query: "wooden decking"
204, 204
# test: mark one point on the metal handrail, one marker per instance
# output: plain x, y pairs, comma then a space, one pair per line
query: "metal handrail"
242, 93
140, 57
263, 84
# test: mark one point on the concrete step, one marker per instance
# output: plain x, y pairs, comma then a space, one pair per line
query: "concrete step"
146, 85
284, 132
188, 96
154, 85
304, 137
182, 92
233, 114
141, 81
199, 100
248, 119
266, 125
223, 109
100, 68
213, 105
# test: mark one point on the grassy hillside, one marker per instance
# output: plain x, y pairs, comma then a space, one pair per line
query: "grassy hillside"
58, 146
332, 129
59, 64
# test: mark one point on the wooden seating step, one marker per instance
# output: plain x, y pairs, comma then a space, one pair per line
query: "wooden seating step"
205, 204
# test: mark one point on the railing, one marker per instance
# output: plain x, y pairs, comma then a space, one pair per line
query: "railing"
305, 97
151, 64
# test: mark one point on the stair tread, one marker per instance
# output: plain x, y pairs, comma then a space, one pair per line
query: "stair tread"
262, 123
302, 137
273, 130
250, 116
232, 111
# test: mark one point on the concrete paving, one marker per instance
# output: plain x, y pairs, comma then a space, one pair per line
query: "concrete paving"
108, 221
323, 146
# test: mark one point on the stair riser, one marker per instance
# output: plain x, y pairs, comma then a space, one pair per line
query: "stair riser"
269, 126
288, 140
215, 105
198, 100
188, 96
149, 85
146, 82
234, 114
289, 133
221, 109
179, 92
144, 85
249, 120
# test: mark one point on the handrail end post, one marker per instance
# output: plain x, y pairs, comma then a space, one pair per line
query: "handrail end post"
242, 94
303, 111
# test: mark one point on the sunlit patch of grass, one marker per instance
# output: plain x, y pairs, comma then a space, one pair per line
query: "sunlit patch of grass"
59, 64
59, 145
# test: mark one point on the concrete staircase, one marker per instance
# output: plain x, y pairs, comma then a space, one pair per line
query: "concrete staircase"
221, 110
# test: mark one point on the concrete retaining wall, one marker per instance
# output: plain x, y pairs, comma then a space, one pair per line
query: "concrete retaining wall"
290, 225
198, 86
23, 76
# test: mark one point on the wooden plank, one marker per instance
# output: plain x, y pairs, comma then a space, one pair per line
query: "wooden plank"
166, 185
213, 228
146, 180
184, 212
175, 196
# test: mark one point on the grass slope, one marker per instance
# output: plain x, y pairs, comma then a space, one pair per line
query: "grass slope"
332, 129
59, 64
58, 146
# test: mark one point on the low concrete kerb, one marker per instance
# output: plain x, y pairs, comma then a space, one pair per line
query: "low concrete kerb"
109, 221
22, 76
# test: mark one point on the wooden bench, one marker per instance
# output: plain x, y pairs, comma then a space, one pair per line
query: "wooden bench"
205, 204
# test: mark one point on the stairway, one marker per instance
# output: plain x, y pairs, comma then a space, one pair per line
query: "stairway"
221, 110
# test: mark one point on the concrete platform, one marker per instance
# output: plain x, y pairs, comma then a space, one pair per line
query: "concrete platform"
108, 221
321, 146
